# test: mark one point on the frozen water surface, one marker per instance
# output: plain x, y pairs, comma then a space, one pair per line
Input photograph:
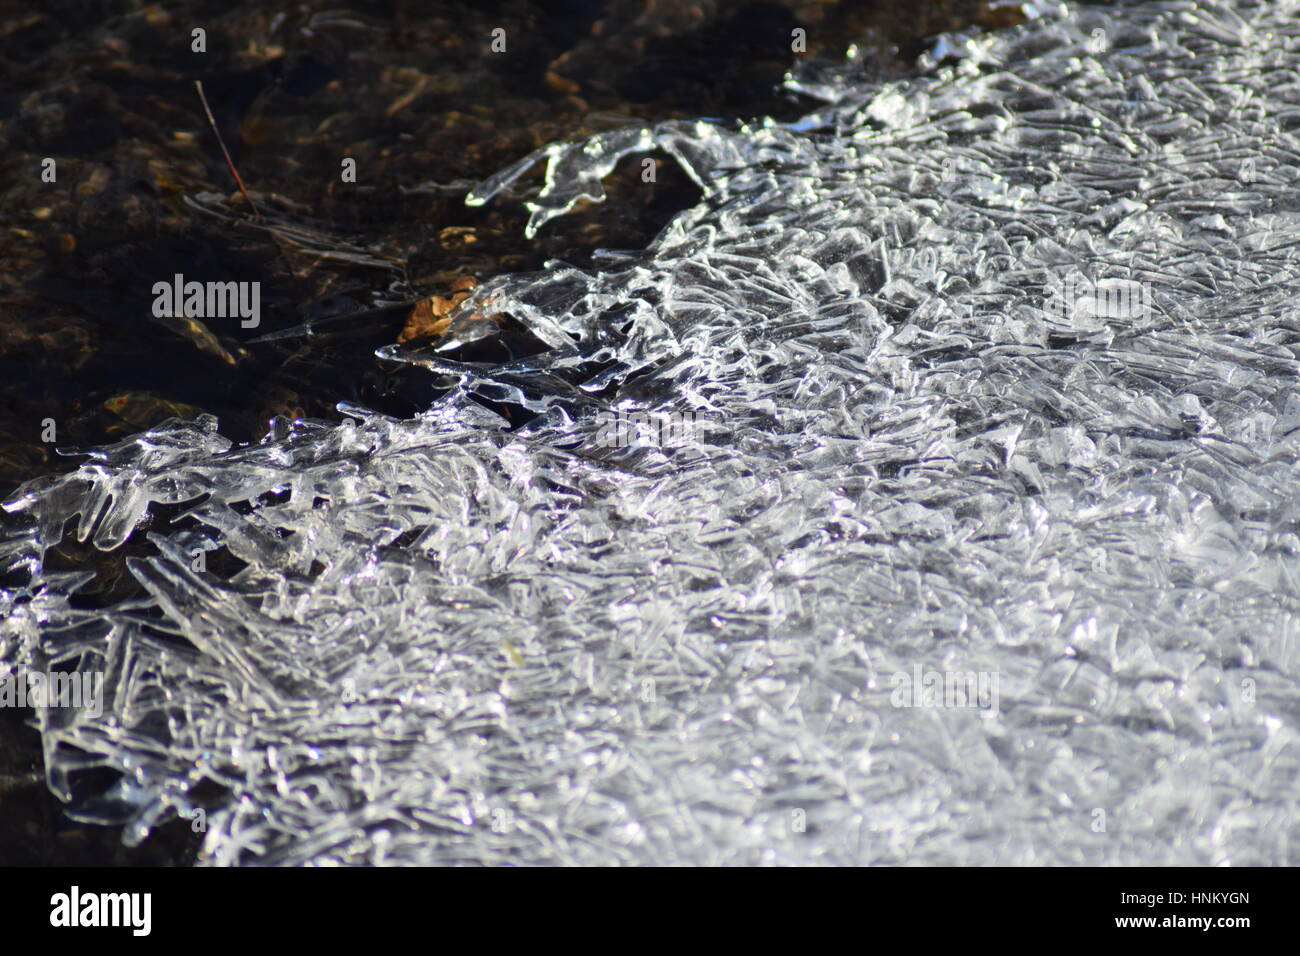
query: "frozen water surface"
996, 369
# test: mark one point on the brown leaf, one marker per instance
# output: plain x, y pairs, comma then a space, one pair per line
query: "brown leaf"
431, 316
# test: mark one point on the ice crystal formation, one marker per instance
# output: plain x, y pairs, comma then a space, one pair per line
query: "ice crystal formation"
996, 372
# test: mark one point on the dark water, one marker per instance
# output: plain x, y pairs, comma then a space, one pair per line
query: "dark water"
416, 95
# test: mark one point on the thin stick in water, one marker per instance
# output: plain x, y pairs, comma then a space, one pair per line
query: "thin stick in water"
198, 85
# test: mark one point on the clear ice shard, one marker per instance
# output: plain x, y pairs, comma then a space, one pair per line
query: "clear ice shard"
996, 371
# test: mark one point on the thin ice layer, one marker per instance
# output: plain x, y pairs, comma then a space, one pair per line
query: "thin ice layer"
996, 375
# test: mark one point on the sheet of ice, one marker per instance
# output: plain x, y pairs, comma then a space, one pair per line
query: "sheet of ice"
996, 371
